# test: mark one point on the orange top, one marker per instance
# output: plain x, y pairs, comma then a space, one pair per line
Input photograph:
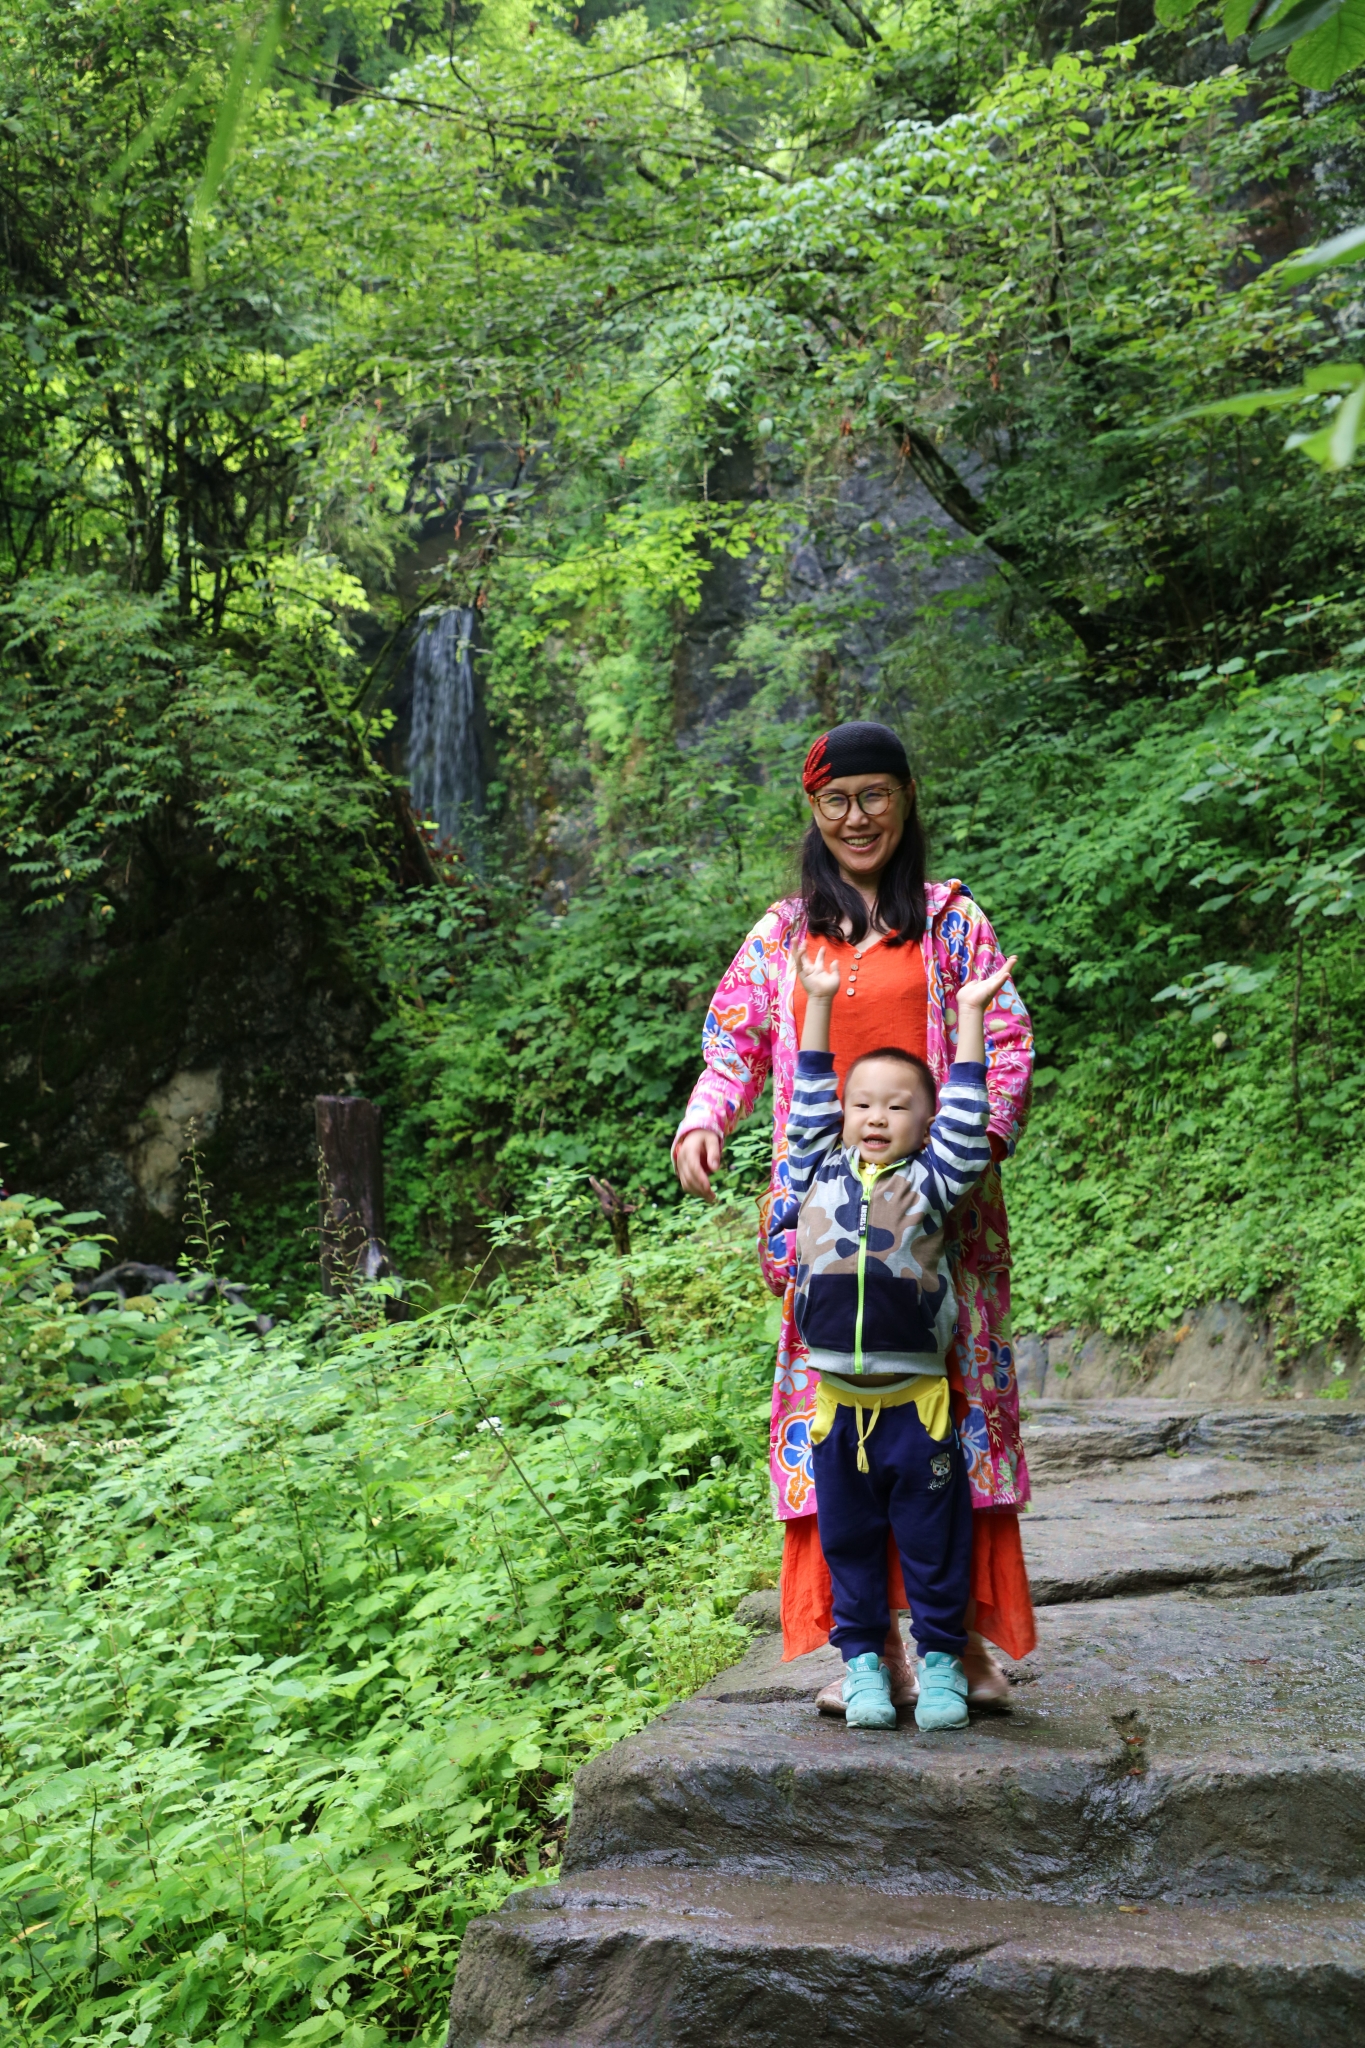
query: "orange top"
883, 999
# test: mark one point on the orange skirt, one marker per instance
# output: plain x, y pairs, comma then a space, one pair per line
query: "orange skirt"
1001, 1609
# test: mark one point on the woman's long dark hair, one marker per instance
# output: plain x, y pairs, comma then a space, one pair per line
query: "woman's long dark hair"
830, 900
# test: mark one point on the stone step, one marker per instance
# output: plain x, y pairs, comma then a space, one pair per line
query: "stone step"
1062, 1438
1162, 1840
1169, 1747
686, 1960
1215, 1521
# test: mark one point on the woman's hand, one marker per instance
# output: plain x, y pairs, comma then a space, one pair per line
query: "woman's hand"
820, 982
696, 1159
972, 999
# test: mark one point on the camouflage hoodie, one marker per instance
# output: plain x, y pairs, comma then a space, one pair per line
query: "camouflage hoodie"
873, 1298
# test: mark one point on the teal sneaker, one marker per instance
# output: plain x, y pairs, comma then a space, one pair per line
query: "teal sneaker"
942, 1699
867, 1693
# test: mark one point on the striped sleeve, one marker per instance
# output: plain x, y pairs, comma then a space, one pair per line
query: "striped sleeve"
815, 1124
958, 1150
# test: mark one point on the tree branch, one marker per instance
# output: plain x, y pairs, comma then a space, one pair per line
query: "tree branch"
825, 12
952, 494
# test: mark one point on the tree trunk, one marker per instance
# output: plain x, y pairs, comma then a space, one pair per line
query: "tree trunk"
350, 1191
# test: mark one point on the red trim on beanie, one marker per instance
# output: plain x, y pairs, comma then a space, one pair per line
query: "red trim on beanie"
817, 771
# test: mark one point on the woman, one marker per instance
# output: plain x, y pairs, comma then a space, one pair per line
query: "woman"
904, 946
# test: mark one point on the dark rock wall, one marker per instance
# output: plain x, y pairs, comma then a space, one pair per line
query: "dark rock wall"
202, 1004
875, 548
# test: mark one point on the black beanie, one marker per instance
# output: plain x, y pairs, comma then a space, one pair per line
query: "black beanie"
859, 748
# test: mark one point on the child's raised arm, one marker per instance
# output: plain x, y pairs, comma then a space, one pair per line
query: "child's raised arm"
815, 1122
973, 1000
958, 1150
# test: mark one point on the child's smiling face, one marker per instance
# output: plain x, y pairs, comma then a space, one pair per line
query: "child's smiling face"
887, 1110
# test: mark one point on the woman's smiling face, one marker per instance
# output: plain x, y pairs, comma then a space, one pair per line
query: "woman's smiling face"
861, 845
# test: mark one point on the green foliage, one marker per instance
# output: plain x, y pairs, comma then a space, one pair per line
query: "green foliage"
1205, 1157
565, 1040
59, 1366
116, 730
1325, 38
1338, 389
296, 1668
518, 308
1202, 855
1133, 844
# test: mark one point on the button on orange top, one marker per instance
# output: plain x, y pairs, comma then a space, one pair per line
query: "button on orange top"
883, 999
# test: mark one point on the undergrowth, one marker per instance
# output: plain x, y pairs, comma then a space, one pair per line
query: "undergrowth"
302, 1636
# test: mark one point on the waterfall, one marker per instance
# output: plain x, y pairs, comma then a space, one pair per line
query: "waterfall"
444, 770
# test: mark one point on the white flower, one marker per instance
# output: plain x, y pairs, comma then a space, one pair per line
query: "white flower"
492, 1422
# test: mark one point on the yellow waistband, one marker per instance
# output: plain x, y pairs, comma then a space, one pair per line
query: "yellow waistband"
929, 1393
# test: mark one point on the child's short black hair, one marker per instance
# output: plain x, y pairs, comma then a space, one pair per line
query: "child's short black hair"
907, 1059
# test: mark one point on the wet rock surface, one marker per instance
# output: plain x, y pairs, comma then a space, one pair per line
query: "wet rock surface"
1063, 1439
694, 1962
1162, 1839
1190, 1518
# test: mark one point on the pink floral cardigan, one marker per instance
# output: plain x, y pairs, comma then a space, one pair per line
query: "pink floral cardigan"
750, 1029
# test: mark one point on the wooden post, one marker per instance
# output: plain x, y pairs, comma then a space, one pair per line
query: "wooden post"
350, 1190
618, 1213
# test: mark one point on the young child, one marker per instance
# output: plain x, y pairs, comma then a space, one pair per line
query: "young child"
876, 1177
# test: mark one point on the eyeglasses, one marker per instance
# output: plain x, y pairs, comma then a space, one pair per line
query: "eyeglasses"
834, 803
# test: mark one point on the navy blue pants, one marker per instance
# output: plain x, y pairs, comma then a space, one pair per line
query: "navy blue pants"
918, 1489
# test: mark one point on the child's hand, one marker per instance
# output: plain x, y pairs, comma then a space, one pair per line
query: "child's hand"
820, 982
978, 995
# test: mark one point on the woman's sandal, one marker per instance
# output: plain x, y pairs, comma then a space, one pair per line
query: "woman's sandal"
987, 1684
904, 1683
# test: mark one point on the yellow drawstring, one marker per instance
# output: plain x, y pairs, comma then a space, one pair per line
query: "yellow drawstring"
928, 1391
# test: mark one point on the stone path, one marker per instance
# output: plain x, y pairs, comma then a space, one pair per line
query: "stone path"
1162, 1841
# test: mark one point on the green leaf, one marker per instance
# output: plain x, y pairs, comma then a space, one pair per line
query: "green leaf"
257, 41
1346, 429
1243, 405
402, 1816
680, 1440
1170, 13
1334, 376
1286, 25
1347, 247
1334, 445
1320, 59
